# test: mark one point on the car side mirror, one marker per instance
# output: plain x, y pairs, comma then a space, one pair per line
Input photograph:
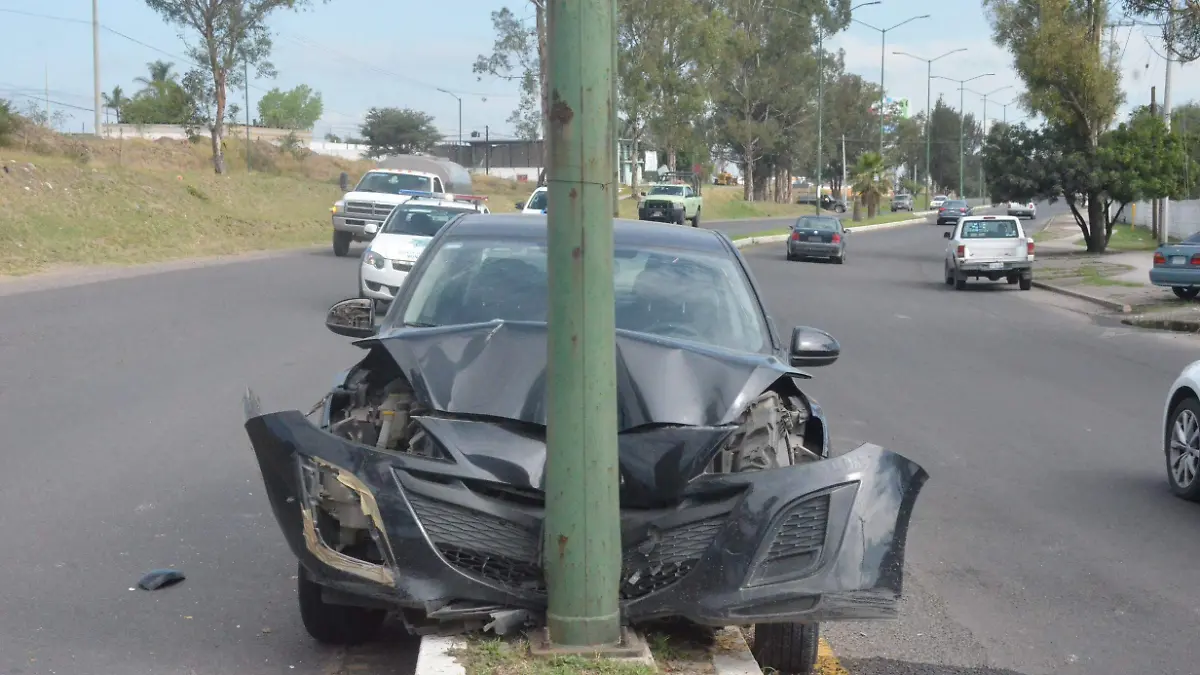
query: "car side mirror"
371, 228
352, 318
947, 235
344, 181
520, 206
811, 348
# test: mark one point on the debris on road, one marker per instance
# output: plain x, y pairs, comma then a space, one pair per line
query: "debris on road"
156, 579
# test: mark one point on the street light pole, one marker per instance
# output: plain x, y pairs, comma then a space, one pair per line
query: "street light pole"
821, 91
582, 540
882, 54
983, 128
459, 99
929, 115
961, 124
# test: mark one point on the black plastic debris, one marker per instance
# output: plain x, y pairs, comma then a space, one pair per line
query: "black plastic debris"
157, 579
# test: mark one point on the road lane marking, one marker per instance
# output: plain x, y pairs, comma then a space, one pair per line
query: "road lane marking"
827, 661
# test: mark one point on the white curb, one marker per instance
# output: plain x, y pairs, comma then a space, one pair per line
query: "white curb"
736, 659
434, 656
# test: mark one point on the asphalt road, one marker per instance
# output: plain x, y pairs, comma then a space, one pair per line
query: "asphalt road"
1046, 541
735, 228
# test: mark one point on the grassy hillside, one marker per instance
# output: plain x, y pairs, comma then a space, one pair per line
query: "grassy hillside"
68, 200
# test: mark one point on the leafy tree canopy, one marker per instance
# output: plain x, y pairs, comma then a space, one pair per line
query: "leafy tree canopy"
297, 109
395, 131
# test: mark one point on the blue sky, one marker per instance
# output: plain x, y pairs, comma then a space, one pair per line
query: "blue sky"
363, 53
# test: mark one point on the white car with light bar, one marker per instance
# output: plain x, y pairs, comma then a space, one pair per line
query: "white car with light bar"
1022, 209
937, 201
399, 243
989, 247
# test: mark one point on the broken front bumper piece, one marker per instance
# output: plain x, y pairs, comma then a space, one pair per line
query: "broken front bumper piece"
460, 540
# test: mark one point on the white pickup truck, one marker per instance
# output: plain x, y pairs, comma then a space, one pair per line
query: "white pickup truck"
989, 247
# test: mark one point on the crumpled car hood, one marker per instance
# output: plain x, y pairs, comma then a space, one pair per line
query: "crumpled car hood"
498, 369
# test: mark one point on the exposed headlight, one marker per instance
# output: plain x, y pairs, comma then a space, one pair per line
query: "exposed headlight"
337, 206
374, 259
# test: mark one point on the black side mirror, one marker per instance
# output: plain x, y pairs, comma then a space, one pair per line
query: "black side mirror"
947, 235
520, 206
344, 181
352, 318
811, 348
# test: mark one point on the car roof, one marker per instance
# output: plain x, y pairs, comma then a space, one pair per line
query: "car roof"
625, 232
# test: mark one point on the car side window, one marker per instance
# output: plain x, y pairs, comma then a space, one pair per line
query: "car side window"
437, 185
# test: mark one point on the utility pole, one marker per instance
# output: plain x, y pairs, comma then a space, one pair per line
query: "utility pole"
96, 64
487, 150
246, 86
929, 115
49, 124
459, 99
843, 195
1165, 218
1155, 205
582, 545
882, 55
962, 121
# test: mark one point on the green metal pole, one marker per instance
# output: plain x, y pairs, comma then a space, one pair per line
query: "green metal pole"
820, 108
582, 525
928, 115
616, 192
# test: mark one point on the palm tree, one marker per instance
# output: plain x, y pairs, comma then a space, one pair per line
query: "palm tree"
869, 181
115, 102
160, 76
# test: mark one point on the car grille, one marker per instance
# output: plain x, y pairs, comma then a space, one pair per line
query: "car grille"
801, 536
657, 204
509, 554
369, 209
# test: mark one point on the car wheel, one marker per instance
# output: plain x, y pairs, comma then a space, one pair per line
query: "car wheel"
696, 219
1181, 442
787, 647
790, 257
334, 624
960, 282
840, 259
341, 243
1026, 282
1186, 292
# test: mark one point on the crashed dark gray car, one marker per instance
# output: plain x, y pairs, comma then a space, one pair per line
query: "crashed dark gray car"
419, 490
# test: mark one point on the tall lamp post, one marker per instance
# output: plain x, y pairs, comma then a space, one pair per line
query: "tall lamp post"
929, 113
821, 90
459, 99
882, 55
983, 128
1004, 107
961, 122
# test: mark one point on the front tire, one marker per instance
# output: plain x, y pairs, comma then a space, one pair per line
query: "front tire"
1181, 444
696, 219
334, 624
788, 648
341, 243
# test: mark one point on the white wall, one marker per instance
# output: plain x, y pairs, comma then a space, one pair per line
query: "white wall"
1183, 220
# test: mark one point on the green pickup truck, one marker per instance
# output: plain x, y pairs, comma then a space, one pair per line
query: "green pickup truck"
672, 202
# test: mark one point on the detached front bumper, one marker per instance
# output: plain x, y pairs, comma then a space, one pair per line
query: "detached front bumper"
818, 542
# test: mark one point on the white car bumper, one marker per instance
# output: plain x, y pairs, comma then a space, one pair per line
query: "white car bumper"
382, 284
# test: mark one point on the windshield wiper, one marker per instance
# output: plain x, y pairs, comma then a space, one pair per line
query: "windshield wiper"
417, 324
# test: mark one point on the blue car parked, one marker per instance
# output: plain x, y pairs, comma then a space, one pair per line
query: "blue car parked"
1178, 266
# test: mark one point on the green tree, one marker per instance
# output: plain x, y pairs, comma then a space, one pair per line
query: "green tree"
1071, 80
1184, 39
848, 98
1140, 160
296, 109
116, 101
162, 99
10, 123
392, 131
637, 56
519, 54
228, 35
870, 180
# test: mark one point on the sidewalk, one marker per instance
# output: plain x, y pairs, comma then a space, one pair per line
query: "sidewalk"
1118, 279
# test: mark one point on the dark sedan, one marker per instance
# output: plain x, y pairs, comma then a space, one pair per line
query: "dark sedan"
951, 210
817, 237
1178, 266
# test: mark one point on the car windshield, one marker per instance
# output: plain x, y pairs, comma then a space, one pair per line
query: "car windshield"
676, 190
538, 200
421, 221
955, 204
989, 229
688, 295
393, 183
903, 198
815, 223
1193, 240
